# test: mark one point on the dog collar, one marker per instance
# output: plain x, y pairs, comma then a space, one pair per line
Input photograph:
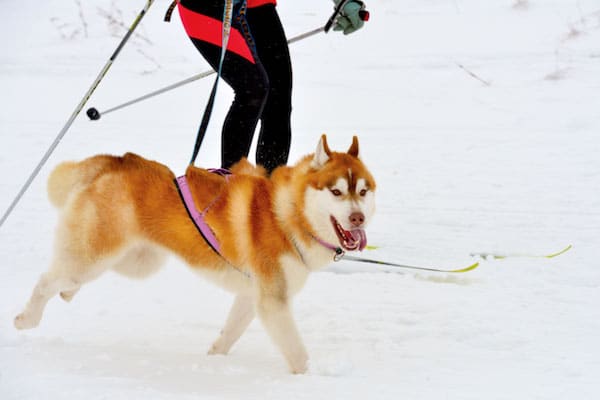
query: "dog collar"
339, 252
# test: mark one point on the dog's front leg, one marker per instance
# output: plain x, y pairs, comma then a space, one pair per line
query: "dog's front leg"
275, 314
240, 316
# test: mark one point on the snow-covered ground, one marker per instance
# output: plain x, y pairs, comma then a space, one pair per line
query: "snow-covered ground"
505, 159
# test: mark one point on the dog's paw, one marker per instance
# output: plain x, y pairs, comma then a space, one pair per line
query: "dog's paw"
299, 369
217, 349
24, 321
68, 295
299, 365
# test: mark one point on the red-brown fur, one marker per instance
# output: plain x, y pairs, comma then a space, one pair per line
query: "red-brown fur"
125, 212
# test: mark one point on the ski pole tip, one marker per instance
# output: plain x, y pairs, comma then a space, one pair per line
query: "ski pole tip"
93, 114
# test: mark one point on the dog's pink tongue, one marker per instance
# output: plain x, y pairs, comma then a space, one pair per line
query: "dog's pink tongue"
360, 236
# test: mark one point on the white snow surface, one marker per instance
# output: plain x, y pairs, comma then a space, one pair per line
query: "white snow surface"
510, 165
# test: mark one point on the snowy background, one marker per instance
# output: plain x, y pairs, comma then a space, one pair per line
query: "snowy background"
502, 160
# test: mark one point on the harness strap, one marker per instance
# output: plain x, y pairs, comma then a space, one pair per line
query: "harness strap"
197, 217
170, 11
227, 17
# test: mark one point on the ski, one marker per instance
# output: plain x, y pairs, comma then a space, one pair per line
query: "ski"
430, 269
482, 255
500, 256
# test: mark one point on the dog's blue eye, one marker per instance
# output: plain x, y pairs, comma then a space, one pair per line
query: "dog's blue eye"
336, 192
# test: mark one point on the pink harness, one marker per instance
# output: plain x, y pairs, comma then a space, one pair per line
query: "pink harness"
204, 229
196, 216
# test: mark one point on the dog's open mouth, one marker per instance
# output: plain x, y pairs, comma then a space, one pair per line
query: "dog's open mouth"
355, 239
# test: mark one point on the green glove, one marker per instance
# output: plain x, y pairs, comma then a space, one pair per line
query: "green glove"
349, 19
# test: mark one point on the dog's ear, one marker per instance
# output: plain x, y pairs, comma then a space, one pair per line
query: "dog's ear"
353, 151
322, 154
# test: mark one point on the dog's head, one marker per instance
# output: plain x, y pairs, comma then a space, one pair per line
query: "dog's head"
339, 197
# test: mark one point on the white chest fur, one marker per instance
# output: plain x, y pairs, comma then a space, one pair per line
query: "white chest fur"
296, 273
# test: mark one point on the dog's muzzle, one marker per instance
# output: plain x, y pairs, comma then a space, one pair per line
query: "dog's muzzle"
354, 239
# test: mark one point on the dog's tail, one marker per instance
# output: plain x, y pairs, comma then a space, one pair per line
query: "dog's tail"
71, 175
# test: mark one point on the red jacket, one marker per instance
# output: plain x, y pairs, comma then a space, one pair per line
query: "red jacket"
256, 3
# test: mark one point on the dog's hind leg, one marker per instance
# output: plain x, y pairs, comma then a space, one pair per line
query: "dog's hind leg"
240, 316
65, 276
49, 284
67, 295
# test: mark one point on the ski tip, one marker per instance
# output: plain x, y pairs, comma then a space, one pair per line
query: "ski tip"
563, 251
493, 256
469, 268
370, 247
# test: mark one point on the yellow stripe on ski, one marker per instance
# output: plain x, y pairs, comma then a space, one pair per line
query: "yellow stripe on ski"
469, 268
563, 251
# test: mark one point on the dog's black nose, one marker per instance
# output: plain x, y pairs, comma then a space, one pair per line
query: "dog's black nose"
357, 219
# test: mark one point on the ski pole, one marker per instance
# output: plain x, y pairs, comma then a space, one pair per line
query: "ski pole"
95, 115
76, 111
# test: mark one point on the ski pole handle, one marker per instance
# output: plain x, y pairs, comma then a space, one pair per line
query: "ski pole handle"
362, 14
334, 16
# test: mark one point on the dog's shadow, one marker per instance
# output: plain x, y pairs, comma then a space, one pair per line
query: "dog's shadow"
447, 279
150, 367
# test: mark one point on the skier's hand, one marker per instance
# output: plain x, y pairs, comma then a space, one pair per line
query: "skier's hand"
352, 16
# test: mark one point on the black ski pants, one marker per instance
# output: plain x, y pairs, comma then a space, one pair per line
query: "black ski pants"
257, 66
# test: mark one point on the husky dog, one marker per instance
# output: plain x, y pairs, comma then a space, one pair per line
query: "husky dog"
125, 214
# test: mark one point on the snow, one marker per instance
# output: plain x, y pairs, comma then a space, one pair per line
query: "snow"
511, 166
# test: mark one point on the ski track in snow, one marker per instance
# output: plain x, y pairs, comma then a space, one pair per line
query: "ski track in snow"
461, 167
